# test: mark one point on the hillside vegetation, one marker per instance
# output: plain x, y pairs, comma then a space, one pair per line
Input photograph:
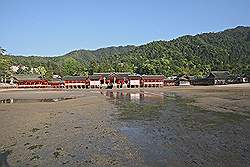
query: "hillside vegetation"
192, 55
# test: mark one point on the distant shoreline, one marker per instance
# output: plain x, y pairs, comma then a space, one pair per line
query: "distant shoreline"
167, 87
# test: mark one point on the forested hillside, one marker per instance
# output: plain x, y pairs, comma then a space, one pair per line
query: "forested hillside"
193, 55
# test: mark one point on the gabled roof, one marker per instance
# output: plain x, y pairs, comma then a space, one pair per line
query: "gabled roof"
135, 77
74, 78
102, 74
94, 77
23, 77
56, 80
220, 74
153, 77
183, 79
120, 75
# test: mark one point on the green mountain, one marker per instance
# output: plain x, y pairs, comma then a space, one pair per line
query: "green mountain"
86, 56
193, 55
82, 56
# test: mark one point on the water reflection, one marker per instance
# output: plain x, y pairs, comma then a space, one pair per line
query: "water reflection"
137, 105
11, 100
167, 131
3, 158
139, 97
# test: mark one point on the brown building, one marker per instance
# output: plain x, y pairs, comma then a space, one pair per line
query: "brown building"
76, 82
119, 80
134, 81
219, 77
56, 83
169, 82
95, 81
30, 81
153, 80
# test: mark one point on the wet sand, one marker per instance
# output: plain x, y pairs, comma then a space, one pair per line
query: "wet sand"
85, 130
76, 132
221, 98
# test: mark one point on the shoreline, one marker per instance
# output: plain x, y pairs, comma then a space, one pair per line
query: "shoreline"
190, 86
233, 98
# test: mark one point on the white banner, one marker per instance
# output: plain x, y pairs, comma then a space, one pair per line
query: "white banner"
94, 83
135, 96
134, 82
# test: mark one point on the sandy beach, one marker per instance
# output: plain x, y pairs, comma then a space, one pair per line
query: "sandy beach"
221, 98
50, 134
81, 130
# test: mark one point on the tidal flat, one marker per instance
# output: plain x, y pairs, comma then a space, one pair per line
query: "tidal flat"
170, 126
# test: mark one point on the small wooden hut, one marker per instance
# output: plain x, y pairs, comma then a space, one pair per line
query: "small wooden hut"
219, 77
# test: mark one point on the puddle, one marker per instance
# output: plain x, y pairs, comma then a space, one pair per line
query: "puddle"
3, 158
137, 106
139, 97
32, 100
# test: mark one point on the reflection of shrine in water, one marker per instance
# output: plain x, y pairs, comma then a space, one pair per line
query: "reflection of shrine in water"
145, 97
10, 101
7, 101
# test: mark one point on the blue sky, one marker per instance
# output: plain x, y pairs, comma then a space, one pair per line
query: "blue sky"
55, 27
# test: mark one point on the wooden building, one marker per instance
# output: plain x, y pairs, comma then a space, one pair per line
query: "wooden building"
246, 78
119, 80
183, 80
219, 77
104, 78
152, 80
94, 81
134, 81
56, 83
169, 82
232, 79
75, 82
30, 81
202, 81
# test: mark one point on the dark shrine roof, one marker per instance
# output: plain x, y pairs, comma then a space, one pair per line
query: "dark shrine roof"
56, 80
95, 77
183, 77
74, 78
153, 77
102, 74
23, 77
220, 74
135, 77
120, 75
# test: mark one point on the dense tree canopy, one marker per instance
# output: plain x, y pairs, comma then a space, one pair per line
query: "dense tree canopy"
193, 55
73, 67
5, 64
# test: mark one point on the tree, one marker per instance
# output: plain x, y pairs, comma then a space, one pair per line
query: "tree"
23, 71
192, 55
5, 64
2, 51
42, 71
71, 66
